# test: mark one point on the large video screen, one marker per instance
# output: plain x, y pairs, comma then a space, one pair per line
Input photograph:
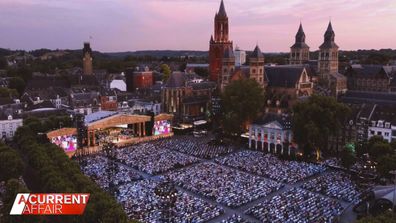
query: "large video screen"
162, 127
66, 142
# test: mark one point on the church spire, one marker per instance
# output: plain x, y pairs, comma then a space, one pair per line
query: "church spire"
329, 38
222, 11
300, 36
329, 34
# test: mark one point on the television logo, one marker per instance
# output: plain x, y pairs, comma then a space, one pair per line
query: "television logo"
49, 204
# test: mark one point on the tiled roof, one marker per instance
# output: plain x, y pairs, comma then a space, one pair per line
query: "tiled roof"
176, 80
283, 76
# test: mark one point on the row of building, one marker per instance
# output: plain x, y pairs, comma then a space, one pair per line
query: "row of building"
190, 97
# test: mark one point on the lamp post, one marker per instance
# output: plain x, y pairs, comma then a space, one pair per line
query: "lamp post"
393, 172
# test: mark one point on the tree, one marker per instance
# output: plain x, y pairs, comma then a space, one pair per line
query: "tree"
380, 149
13, 187
182, 67
386, 164
316, 119
387, 217
23, 72
242, 100
3, 63
11, 164
51, 170
348, 157
18, 84
166, 71
393, 145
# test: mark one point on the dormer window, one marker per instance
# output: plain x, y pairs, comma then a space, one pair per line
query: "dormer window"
10, 117
387, 125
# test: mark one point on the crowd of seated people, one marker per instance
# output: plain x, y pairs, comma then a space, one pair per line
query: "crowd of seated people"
235, 219
199, 147
141, 203
297, 205
152, 158
335, 184
105, 172
270, 166
225, 185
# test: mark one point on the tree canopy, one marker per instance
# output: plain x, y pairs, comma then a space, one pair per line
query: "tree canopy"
242, 101
18, 84
11, 164
315, 120
387, 217
50, 170
165, 69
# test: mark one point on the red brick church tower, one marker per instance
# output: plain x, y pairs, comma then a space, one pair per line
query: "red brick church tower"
219, 43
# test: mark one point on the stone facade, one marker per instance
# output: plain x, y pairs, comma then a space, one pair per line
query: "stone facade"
299, 52
219, 43
87, 59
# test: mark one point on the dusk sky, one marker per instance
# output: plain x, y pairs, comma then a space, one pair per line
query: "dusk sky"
129, 25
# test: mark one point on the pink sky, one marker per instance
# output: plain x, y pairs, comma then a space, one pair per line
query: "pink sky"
128, 25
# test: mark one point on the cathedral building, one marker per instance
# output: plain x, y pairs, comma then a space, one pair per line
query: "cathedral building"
219, 43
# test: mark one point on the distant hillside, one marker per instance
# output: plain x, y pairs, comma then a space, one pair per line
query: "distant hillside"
382, 56
160, 53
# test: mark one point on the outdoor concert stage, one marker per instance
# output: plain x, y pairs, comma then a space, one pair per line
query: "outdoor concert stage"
111, 127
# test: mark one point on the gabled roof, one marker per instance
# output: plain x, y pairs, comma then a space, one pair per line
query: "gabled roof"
284, 121
176, 80
283, 76
43, 105
369, 71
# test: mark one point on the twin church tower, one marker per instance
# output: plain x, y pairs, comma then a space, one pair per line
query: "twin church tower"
221, 52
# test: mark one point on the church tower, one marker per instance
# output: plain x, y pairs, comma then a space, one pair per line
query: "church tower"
219, 43
228, 68
256, 64
299, 52
328, 54
87, 59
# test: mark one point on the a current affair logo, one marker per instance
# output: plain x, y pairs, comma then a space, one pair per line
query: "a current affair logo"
49, 204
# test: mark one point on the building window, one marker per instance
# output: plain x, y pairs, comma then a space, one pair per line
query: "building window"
387, 134
372, 132
253, 71
379, 133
